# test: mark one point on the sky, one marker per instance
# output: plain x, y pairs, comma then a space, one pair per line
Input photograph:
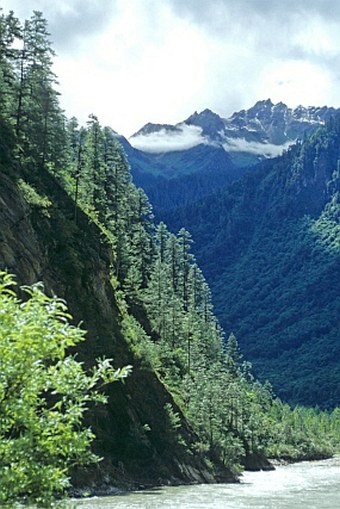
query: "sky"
136, 61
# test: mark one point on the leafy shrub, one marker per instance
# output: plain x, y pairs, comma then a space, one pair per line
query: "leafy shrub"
44, 394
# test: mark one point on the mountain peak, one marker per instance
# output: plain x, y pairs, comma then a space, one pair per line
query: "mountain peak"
266, 102
204, 113
154, 128
210, 123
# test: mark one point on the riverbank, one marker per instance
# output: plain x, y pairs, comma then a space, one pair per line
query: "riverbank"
304, 485
116, 482
106, 480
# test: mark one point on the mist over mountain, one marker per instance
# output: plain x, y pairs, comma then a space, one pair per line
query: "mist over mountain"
177, 164
264, 130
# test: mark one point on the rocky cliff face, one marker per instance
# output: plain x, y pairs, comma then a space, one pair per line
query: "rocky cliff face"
40, 240
272, 123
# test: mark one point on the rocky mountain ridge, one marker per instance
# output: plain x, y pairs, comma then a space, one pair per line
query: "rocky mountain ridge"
262, 131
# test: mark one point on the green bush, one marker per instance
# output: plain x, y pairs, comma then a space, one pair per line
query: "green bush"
43, 396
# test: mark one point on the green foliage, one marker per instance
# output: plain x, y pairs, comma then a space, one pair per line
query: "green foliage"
302, 433
44, 393
33, 198
233, 414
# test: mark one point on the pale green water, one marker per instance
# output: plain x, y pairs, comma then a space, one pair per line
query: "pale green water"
308, 485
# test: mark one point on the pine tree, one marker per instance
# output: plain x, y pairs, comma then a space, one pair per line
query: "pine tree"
161, 239
141, 228
185, 259
172, 255
233, 356
92, 191
10, 31
117, 182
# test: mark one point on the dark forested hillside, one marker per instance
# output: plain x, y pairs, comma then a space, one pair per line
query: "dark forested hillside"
176, 178
270, 248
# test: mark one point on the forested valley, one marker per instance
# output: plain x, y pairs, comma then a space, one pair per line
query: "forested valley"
72, 218
272, 241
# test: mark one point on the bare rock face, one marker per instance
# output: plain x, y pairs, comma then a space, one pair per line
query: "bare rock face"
20, 252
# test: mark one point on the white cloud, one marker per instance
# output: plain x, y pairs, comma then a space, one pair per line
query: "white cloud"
295, 82
187, 136
138, 61
253, 147
149, 66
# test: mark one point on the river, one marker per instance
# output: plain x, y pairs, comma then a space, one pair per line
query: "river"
307, 485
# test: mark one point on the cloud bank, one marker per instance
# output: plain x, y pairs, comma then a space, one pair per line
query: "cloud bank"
253, 147
169, 141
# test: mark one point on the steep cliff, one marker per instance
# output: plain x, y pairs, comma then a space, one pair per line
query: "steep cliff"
40, 241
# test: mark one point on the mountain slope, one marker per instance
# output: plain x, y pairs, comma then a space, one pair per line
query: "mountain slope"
270, 248
73, 261
175, 178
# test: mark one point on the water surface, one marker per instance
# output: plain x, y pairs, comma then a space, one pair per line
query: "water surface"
307, 485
